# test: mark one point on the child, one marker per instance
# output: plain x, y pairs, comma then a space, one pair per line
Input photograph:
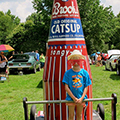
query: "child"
76, 81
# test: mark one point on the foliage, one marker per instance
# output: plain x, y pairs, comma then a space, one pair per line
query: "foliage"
7, 23
41, 30
115, 40
44, 11
28, 36
15, 20
96, 22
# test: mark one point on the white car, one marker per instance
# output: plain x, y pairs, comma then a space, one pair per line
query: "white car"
110, 63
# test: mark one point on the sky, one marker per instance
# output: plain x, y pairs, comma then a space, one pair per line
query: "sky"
114, 3
20, 8
24, 8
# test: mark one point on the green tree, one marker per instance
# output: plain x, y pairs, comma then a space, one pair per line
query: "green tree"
16, 37
5, 26
41, 30
44, 12
25, 37
96, 21
115, 39
15, 20
7, 23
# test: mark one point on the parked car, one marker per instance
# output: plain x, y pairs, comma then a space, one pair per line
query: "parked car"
118, 66
24, 62
110, 63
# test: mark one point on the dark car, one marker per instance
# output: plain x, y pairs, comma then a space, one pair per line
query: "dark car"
24, 62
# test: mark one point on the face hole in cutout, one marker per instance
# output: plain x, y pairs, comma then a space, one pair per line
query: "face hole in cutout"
80, 62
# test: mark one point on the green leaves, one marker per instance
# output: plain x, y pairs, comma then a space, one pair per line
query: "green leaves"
7, 23
96, 22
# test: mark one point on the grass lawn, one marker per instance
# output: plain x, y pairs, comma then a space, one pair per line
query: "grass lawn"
13, 92
104, 84
30, 85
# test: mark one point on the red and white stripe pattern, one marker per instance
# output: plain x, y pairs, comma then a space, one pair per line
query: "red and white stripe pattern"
65, 35
55, 66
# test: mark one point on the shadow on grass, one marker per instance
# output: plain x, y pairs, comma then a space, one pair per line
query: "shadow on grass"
40, 85
114, 77
23, 73
107, 70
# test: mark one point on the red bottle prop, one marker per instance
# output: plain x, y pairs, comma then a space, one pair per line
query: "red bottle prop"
65, 35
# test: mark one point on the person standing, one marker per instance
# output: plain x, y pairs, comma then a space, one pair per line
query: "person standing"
11, 57
98, 60
37, 55
102, 59
42, 60
3, 62
21, 52
76, 81
96, 55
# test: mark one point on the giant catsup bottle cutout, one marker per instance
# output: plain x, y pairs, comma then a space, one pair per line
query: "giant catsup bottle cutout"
65, 35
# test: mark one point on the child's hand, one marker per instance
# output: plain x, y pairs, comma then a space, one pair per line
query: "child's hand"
76, 100
80, 100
